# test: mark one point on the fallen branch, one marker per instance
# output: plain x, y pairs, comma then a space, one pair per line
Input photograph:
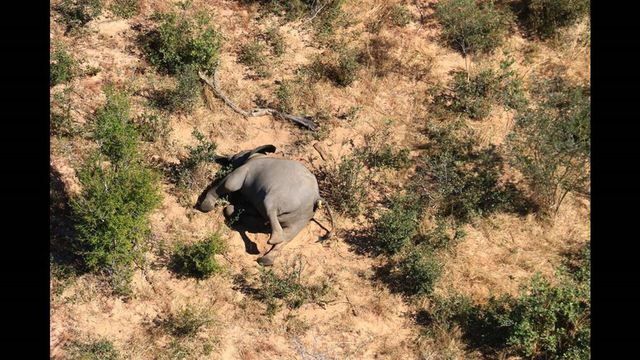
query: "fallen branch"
306, 122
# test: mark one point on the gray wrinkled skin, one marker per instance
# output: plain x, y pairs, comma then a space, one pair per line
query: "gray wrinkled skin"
284, 192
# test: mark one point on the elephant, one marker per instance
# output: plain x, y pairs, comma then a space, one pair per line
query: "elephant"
283, 193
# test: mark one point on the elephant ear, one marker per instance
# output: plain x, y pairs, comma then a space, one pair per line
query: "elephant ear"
263, 149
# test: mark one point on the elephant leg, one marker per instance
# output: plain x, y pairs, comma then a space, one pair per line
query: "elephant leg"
277, 233
232, 182
289, 233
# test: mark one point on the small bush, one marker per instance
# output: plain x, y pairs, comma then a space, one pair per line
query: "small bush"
252, 55
544, 17
288, 288
62, 123
329, 16
379, 153
186, 322
181, 40
113, 128
77, 13
63, 66
418, 272
186, 93
275, 40
440, 237
400, 15
93, 350
474, 95
551, 143
205, 152
341, 67
152, 127
465, 180
111, 216
284, 94
344, 186
197, 260
125, 8
397, 227
471, 27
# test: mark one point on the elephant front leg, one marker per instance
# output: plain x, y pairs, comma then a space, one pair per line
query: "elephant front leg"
232, 182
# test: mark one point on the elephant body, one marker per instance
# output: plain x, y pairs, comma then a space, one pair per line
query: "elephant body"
283, 192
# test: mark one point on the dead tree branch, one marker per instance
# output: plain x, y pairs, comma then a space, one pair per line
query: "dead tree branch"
306, 122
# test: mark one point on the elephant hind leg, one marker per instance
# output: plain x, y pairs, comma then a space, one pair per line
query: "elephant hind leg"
289, 233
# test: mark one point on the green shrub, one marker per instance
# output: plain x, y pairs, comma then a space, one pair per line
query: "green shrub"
93, 350
62, 123
77, 13
343, 186
125, 8
111, 216
152, 126
197, 260
345, 71
551, 143
288, 288
474, 95
440, 237
471, 27
181, 40
186, 93
63, 66
400, 15
113, 128
186, 322
464, 179
284, 94
544, 17
386, 157
418, 272
397, 227
379, 56
252, 55
204, 152
329, 16
275, 40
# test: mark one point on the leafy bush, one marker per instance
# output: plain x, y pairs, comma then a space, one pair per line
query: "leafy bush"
125, 8
544, 17
63, 68
152, 126
113, 128
400, 15
204, 152
252, 55
62, 123
340, 67
344, 186
551, 143
330, 13
284, 94
181, 40
440, 237
418, 271
77, 13
395, 228
288, 288
197, 260
111, 216
186, 322
474, 95
185, 95
378, 153
275, 40
471, 27
93, 350
465, 180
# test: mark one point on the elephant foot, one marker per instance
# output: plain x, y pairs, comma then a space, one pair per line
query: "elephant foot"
274, 241
208, 204
228, 210
265, 261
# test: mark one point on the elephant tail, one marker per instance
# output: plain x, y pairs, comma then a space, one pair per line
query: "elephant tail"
322, 203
